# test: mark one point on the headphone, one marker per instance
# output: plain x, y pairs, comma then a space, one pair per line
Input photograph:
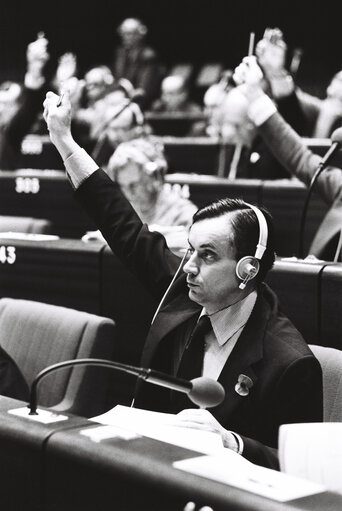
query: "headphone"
248, 267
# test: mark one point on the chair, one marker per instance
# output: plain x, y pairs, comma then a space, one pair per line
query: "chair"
25, 224
37, 335
331, 362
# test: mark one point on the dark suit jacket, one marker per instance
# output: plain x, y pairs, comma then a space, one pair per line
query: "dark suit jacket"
141, 67
287, 379
12, 382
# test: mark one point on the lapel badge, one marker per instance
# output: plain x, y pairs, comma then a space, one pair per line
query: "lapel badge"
243, 385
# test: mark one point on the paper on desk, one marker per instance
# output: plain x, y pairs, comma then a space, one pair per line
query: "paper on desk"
230, 468
30, 236
160, 427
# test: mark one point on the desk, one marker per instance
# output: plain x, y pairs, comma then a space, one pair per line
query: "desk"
38, 152
177, 124
22, 464
284, 198
53, 467
138, 475
43, 194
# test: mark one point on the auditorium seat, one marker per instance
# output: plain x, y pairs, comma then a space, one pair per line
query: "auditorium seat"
25, 224
37, 335
297, 285
331, 305
331, 363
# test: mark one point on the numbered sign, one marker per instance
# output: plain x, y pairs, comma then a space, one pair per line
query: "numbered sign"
27, 185
7, 254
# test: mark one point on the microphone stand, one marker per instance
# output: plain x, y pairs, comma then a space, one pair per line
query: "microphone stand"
314, 178
202, 391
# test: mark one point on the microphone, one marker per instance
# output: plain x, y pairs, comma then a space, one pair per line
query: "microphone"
336, 139
202, 391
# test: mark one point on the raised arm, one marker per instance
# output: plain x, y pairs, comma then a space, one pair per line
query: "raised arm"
141, 251
283, 141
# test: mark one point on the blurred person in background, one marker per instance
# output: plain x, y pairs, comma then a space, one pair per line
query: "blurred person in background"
136, 61
118, 119
289, 149
175, 97
139, 167
23, 106
307, 114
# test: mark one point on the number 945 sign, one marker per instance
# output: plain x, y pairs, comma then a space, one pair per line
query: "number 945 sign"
7, 254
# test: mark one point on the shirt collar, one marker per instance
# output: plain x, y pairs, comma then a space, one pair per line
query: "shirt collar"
227, 322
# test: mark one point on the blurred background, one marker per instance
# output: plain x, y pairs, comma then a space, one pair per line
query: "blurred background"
196, 31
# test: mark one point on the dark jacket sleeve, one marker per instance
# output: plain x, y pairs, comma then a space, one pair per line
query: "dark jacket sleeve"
288, 148
12, 382
143, 252
298, 398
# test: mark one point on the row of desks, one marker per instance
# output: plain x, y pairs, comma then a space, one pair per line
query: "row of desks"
203, 155
50, 467
89, 277
48, 194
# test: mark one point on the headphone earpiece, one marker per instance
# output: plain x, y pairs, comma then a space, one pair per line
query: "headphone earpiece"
247, 268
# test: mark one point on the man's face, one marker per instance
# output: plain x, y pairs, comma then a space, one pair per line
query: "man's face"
173, 93
130, 33
95, 84
137, 186
211, 276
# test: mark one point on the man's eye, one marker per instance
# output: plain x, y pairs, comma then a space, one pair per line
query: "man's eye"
208, 256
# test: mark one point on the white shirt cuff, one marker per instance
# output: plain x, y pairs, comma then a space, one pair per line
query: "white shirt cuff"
239, 441
79, 166
261, 109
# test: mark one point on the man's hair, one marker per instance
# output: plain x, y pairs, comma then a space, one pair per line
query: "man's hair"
246, 230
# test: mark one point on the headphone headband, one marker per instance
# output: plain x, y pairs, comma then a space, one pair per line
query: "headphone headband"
263, 232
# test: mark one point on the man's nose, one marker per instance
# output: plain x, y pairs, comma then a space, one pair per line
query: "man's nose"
191, 265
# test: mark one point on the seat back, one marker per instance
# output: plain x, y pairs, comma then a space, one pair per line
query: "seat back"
25, 224
331, 363
37, 335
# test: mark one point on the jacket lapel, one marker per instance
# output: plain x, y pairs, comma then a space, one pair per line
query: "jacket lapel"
243, 359
178, 310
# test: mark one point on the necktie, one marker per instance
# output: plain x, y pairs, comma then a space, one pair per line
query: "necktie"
191, 363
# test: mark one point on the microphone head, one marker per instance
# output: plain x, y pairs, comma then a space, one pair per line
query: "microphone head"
206, 392
337, 136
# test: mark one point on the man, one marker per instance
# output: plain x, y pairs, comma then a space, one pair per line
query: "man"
175, 97
307, 114
27, 105
136, 61
269, 374
288, 148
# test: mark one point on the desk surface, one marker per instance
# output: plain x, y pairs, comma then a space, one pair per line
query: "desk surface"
139, 474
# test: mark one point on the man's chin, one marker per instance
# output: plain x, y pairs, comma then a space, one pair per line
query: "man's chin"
194, 296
